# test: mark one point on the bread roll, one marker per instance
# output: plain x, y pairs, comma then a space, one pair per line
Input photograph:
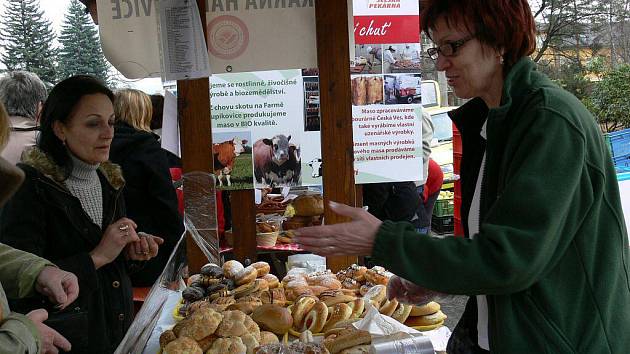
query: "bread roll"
262, 268
232, 268
271, 280
426, 309
182, 345
348, 340
426, 320
308, 205
273, 318
247, 275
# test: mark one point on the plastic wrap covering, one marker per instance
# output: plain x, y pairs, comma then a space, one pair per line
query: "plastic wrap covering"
403, 343
200, 220
407, 292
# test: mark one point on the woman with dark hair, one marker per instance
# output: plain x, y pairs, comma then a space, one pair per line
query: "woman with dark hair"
70, 210
545, 257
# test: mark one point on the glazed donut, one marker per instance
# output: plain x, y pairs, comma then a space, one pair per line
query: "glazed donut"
232, 268
377, 275
402, 313
426, 309
389, 307
247, 275
340, 312
357, 307
272, 280
262, 268
301, 308
316, 318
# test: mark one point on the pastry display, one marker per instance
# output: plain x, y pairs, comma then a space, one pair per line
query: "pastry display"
246, 309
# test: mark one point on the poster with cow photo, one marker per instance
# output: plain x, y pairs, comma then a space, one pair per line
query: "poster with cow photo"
232, 152
267, 109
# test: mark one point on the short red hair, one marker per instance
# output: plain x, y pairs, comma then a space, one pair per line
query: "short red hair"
501, 24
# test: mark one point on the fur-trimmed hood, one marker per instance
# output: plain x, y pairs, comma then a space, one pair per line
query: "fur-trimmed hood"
42, 162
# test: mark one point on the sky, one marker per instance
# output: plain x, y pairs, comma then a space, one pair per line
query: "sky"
54, 10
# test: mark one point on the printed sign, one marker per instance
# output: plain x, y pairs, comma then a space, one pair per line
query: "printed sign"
242, 35
257, 128
386, 21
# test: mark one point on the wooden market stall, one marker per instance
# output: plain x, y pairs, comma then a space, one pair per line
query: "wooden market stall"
193, 104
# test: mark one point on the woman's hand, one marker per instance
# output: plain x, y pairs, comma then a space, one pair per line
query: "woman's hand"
114, 240
350, 238
145, 248
51, 340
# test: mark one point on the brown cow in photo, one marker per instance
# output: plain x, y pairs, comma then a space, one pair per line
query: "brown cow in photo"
224, 155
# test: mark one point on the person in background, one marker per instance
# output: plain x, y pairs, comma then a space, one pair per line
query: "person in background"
157, 114
70, 210
545, 253
420, 220
149, 194
22, 94
22, 274
429, 193
388, 59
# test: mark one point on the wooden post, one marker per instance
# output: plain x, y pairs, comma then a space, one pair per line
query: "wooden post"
333, 60
193, 114
244, 224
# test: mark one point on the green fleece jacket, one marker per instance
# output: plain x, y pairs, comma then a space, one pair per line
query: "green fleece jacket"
18, 272
552, 252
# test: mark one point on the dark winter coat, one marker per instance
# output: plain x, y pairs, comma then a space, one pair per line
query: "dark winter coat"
45, 219
150, 198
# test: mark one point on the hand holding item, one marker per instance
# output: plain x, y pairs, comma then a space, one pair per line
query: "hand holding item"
407, 292
61, 287
145, 248
350, 238
51, 340
114, 240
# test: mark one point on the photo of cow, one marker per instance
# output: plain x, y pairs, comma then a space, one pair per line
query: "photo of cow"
277, 161
232, 160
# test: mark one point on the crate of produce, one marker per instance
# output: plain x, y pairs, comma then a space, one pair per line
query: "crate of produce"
444, 205
620, 143
442, 224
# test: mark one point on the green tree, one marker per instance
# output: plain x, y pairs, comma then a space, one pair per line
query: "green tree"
27, 37
80, 51
609, 99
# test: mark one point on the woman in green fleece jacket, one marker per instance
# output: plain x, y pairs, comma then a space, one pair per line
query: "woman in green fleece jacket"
545, 259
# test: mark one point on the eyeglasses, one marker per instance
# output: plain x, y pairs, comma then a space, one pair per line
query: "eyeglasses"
448, 49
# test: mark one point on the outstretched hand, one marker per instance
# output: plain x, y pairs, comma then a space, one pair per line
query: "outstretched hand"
61, 287
350, 238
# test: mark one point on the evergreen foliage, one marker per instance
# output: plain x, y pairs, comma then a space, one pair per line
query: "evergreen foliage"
27, 38
80, 51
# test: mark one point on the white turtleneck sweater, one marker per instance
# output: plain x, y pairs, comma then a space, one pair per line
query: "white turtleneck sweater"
84, 184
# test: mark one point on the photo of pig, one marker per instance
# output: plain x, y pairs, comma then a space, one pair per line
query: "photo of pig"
277, 161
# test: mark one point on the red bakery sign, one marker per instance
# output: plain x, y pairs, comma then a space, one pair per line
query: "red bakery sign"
386, 21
